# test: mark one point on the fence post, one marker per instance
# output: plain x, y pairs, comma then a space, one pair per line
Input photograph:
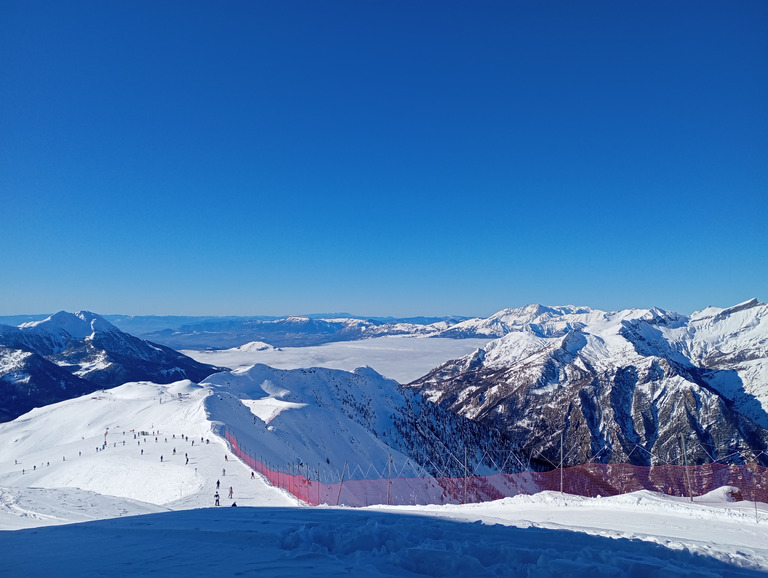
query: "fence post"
561, 463
754, 490
465, 475
389, 477
341, 485
685, 465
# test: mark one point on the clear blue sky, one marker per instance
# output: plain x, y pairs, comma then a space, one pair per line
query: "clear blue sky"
381, 157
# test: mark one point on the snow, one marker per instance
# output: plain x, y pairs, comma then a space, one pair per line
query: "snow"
252, 346
401, 358
312, 416
323, 542
78, 325
99, 363
116, 511
12, 359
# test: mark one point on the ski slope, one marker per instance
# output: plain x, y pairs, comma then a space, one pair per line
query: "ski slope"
119, 511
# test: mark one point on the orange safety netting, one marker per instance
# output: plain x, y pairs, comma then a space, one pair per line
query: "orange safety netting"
591, 480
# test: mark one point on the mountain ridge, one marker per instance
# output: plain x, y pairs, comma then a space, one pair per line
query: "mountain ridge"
68, 354
613, 382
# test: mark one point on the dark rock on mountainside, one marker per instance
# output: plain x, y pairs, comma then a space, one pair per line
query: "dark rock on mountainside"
634, 386
67, 355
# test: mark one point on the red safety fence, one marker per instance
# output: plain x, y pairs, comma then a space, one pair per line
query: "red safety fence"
592, 479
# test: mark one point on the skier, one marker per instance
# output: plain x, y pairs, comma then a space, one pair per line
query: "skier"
216, 497
230, 492
223, 472
225, 458
185, 463
142, 451
217, 484
253, 475
161, 459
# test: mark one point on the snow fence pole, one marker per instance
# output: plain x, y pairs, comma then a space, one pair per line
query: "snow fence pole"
561, 463
685, 464
389, 476
341, 485
465, 475
754, 490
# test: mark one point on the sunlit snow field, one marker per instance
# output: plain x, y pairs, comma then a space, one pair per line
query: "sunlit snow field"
403, 359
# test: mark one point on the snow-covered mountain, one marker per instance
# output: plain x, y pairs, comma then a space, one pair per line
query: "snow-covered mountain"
66, 355
538, 319
330, 417
620, 386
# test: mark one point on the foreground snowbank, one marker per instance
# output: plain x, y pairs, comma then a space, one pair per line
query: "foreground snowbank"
319, 542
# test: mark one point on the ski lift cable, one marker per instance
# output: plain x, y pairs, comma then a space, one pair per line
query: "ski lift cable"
474, 471
495, 465
597, 454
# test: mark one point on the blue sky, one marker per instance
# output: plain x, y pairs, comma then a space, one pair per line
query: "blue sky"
381, 158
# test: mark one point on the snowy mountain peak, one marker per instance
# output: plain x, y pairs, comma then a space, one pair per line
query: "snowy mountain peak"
745, 306
656, 316
75, 353
75, 325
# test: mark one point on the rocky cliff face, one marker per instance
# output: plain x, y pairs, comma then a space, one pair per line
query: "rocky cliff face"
628, 386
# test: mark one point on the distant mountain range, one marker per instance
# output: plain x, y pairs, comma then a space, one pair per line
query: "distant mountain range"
67, 355
294, 331
644, 386
206, 332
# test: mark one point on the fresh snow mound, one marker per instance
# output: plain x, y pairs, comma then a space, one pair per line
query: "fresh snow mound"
253, 346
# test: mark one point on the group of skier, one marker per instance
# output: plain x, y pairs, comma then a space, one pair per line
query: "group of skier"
216, 496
